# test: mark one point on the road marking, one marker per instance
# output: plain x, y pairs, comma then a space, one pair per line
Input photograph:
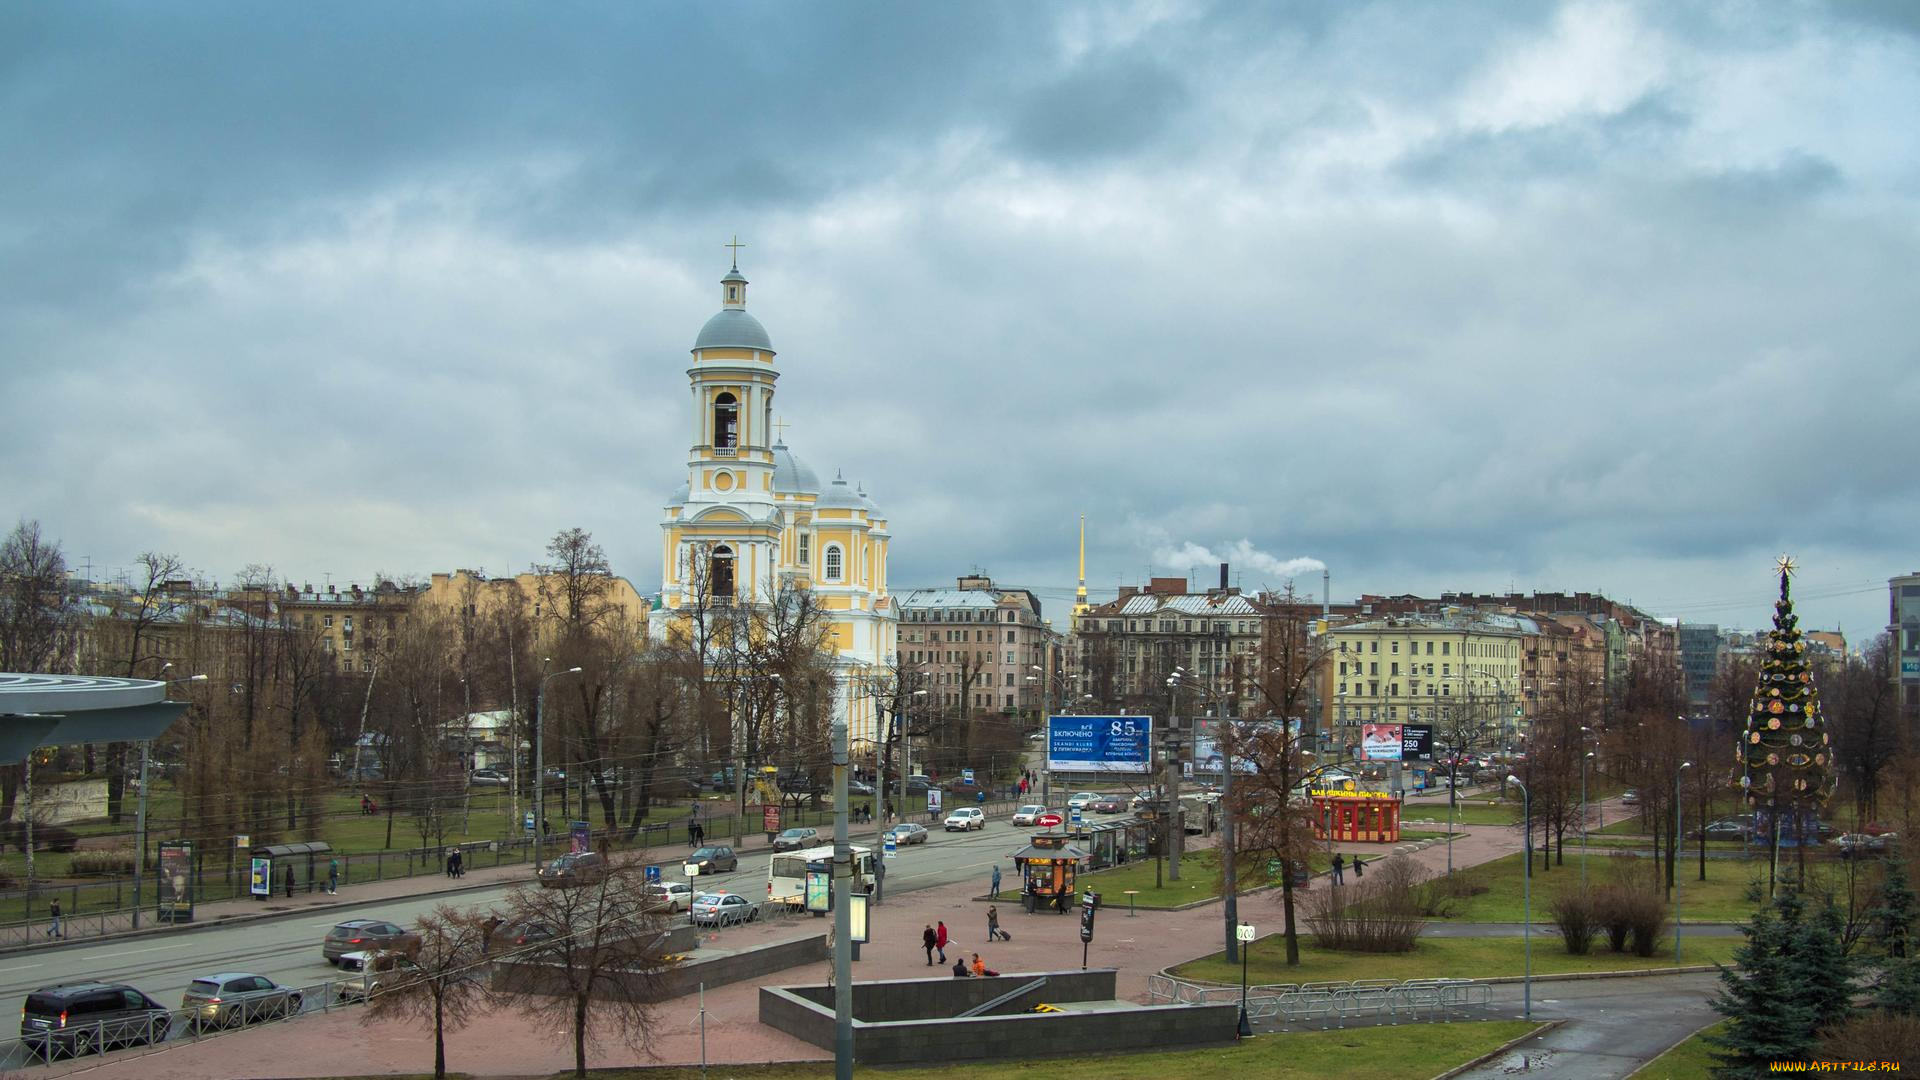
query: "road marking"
136, 952
22, 967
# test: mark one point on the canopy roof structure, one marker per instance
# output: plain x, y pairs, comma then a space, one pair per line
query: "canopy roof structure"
61, 710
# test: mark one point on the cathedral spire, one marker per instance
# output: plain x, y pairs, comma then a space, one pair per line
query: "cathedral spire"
1080, 594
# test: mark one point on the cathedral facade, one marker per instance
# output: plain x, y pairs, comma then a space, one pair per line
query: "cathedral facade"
752, 518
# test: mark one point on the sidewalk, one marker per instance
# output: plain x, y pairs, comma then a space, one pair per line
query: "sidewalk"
507, 1042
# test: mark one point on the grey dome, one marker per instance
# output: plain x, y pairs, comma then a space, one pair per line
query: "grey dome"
791, 476
681, 494
733, 328
866, 502
839, 497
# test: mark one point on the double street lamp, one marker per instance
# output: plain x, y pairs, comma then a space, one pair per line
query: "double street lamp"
1526, 892
540, 761
1675, 857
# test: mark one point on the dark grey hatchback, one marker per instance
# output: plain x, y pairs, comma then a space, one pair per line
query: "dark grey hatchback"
84, 1018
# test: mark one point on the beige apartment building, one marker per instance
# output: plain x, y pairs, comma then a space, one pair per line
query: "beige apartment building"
1418, 668
1127, 648
978, 647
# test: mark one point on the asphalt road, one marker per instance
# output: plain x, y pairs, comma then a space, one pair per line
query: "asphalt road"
287, 950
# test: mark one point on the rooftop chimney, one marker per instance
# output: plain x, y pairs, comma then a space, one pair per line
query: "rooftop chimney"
1223, 577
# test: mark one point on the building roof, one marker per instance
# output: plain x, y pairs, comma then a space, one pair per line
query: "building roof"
1210, 605
839, 496
791, 476
1477, 622
733, 328
952, 599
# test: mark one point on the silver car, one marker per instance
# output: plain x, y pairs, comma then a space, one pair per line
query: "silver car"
236, 998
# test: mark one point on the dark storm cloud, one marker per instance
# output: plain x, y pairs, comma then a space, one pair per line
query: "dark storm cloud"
1447, 297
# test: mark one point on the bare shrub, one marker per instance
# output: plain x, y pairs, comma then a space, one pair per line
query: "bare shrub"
1378, 914
1575, 913
1438, 897
102, 861
1875, 1036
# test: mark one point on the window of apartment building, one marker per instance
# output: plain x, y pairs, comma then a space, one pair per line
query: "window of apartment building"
326, 645
1393, 711
366, 665
1446, 648
1009, 681
1393, 669
307, 620
1010, 658
1009, 701
346, 644
1393, 647
1343, 667
1343, 645
1393, 689
1446, 669
1373, 689
1013, 616
1375, 665
1009, 637
326, 621
1376, 645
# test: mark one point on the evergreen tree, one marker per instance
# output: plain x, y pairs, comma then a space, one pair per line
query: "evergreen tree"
1898, 990
1769, 1014
1893, 918
1786, 761
1822, 969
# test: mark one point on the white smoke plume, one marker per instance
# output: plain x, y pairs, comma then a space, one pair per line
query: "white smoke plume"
1242, 556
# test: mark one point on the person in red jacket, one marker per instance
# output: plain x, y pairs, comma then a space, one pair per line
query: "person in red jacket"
940, 940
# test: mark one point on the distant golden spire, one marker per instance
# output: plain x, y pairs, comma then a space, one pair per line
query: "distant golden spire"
1080, 594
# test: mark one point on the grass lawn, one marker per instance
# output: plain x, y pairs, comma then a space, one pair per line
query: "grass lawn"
1691, 1060
1441, 958
1721, 898
1477, 812
1385, 1053
1199, 880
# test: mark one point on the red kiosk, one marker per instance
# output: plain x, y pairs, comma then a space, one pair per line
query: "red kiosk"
1367, 817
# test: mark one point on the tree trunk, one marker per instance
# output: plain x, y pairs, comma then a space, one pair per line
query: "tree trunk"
1286, 907
580, 1036
439, 1038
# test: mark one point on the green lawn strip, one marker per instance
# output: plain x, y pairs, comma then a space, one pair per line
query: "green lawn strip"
1690, 1060
1476, 812
1721, 898
1199, 880
1442, 958
1387, 1053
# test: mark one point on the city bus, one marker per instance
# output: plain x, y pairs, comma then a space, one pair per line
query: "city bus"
787, 872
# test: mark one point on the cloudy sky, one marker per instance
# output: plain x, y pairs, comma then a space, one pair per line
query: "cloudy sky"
1444, 296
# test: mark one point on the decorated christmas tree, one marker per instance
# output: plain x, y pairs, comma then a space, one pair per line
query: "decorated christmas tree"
1786, 761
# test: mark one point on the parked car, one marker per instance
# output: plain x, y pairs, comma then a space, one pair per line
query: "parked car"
672, 896
236, 998
572, 870
966, 819
360, 935
1850, 845
1108, 804
488, 778
796, 838
1080, 799
379, 969
859, 787
1723, 829
89, 1017
1630, 797
714, 859
908, 833
1028, 815
722, 909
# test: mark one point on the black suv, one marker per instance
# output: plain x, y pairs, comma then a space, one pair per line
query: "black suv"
82, 1018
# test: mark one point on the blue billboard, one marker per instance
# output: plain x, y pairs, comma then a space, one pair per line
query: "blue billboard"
1121, 744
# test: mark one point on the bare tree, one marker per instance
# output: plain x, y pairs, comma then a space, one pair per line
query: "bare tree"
1863, 706
575, 585
37, 630
440, 982
602, 963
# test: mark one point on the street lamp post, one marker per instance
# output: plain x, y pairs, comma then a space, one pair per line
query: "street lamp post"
1584, 755
1526, 892
841, 881
1684, 766
540, 761
1243, 933
140, 813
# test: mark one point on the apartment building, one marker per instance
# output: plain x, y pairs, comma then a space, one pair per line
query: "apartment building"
1416, 668
978, 647
1127, 648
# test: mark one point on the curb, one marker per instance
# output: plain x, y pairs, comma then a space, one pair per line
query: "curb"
1508, 980
1490, 1055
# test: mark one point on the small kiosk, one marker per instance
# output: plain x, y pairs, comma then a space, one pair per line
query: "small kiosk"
1367, 817
1048, 866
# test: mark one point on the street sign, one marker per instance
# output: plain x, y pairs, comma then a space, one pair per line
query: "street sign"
1243, 932
1047, 820
526, 822
1075, 811
891, 848
653, 875
966, 776
692, 870
770, 818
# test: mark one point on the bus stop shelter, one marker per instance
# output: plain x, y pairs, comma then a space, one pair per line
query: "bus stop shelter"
1367, 817
296, 866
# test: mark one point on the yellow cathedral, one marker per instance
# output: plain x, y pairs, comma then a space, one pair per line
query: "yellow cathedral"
752, 516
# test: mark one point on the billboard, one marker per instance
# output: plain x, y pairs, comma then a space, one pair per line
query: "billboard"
176, 882
1208, 759
1380, 742
1396, 742
1118, 744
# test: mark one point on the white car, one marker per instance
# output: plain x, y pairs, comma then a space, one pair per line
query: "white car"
673, 896
1081, 799
1028, 815
965, 819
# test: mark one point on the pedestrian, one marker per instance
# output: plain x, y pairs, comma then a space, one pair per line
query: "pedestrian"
459, 863
980, 969
446, 863
333, 877
1357, 871
53, 930
996, 881
960, 969
1060, 901
940, 940
366, 804
289, 882
993, 924
1339, 864
928, 938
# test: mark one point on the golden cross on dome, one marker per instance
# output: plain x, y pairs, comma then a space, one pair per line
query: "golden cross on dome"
780, 430
1786, 565
736, 246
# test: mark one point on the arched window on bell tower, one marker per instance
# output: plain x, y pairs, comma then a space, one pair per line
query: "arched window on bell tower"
720, 575
726, 422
